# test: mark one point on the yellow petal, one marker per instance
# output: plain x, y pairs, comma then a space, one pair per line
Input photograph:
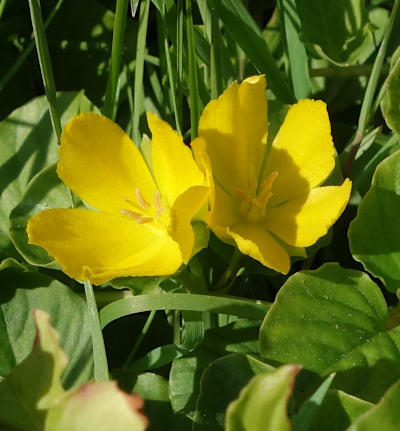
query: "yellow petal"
234, 127
98, 247
182, 213
302, 152
255, 241
173, 164
100, 163
224, 208
302, 221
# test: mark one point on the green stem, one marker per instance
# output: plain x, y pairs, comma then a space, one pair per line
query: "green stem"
99, 351
179, 57
193, 84
171, 76
229, 275
177, 327
28, 49
2, 7
143, 333
111, 99
45, 64
138, 96
215, 57
365, 112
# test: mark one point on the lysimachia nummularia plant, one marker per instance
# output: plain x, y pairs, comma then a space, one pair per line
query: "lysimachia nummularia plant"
184, 247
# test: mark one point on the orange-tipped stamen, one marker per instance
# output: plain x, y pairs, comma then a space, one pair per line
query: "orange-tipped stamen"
242, 196
141, 201
157, 203
139, 218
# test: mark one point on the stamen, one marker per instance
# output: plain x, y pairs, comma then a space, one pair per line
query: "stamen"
267, 183
255, 202
139, 218
157, 203
141, 201
240, 194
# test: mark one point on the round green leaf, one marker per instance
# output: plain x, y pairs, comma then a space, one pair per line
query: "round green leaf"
320, 315
22, 292
375, 234
221, 383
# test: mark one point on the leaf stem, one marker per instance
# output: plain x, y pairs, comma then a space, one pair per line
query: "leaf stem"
365, 113
111, 99
45, 64
230, 273
139, 340
99, 351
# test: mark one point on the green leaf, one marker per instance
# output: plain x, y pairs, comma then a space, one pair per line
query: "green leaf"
238, 337
45, 191
374, 235
369, 370
34, 386
28, 144
385, 415
337, 31
305, 416
184, 380
221, 383
262, 404
330, 310
21, 292
392, 111
100, 406
343, 407
154, 390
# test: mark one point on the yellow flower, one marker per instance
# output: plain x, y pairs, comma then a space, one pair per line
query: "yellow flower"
268, 205
143, 226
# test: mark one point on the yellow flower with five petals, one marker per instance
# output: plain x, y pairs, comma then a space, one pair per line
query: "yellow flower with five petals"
268, 203
144, 223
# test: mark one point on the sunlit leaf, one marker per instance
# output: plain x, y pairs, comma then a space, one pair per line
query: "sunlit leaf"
374, 234
262, 403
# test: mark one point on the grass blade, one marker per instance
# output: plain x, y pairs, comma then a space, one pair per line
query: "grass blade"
99, 351
298, 62
138, 97
111, 99
45, 64
182, 301
193, 82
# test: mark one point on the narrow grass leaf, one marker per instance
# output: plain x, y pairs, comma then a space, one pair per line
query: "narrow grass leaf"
111, 98
45, 64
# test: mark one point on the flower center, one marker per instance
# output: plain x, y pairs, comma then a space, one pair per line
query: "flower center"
253, 208
144, 211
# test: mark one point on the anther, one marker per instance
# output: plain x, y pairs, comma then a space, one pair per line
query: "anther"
242, 196
141, 201
139, 218
157, 203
